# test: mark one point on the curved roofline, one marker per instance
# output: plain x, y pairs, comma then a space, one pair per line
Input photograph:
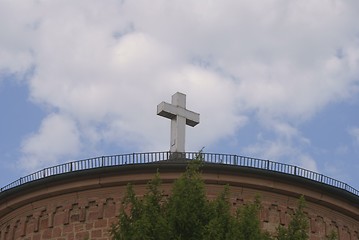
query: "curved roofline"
153, 157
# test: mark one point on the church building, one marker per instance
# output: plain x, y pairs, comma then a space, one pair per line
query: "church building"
82, 199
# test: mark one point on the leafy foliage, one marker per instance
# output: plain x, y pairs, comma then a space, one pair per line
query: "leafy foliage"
188, 208
249, 225
188, 215
142, 218
332, 236
220, 219
298, 226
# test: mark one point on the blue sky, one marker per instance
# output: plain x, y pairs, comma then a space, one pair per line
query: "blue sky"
277, 80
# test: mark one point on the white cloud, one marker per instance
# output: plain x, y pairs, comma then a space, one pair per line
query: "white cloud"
354, 132
282, 151
308, 162
15, 38
106, 65
58, 137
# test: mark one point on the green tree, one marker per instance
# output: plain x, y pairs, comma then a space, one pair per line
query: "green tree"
222, 222
188, 209
249, 224
142, 218
187, 214
298, 226
332, 235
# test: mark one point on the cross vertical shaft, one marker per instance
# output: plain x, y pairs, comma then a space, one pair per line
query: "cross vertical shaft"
180, 117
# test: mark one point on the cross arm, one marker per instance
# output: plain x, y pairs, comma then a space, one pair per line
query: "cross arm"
166, 110
192, 118
170, 111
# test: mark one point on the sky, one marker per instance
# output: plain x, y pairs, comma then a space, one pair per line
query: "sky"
272, 79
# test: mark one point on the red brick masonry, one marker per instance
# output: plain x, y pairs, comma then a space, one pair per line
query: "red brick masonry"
84, 205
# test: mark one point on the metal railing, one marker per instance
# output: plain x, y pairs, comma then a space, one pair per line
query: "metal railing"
150, 157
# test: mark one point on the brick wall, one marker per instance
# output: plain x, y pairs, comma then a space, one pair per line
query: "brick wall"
85, 206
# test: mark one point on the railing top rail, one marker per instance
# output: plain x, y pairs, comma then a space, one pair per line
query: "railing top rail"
148, 157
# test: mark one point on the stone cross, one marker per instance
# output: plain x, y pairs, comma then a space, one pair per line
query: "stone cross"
180, 116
